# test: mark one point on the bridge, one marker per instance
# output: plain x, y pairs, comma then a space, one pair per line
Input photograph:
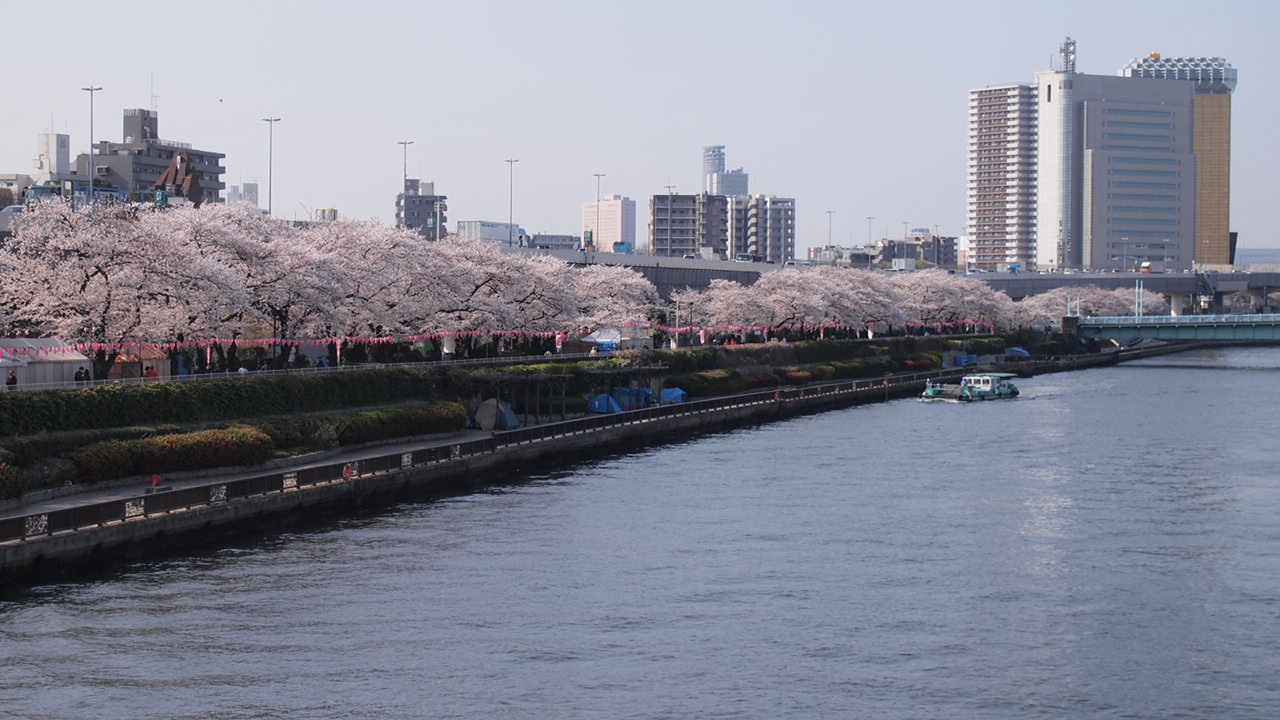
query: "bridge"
1255, 327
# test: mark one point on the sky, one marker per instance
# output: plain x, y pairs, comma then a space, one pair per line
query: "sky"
851, 107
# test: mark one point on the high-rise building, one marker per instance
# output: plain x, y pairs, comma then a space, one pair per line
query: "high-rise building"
1002, 175
715, 180
1115, 171
771, 228
1214, 80
682, 225
135, 165
419, 208
617, 223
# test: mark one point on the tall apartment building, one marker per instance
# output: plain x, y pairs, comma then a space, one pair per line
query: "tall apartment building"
1214, 80
419, 208
1002, 176
136, 164
616, 226
682, 225
771, 228
1115, 172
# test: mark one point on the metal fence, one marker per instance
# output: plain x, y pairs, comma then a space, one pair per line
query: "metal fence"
157, 502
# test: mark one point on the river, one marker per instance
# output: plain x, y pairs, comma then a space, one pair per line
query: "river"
1105, 546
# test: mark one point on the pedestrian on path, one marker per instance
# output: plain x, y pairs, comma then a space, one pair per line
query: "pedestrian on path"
11, 382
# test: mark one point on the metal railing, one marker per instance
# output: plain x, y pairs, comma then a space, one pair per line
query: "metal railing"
152, 503
1233, 319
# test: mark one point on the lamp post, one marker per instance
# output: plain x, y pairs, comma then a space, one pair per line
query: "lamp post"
1124, 254
271, 127
405, 144
511, 197
829, 214
868, 248
595, 230
93, 170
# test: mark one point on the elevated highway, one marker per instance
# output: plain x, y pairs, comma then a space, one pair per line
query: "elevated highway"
1186, 289
1255, 327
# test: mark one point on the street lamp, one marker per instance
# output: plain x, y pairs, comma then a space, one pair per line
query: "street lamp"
93, 170
1124, 254
511, 197
595, 230
829, 214
271, 127
405, 144
868, 247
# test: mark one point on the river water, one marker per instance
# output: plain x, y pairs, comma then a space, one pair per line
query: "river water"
1106, 546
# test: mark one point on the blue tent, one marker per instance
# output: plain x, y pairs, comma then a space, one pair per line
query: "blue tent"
672, 395
632, 398
603, 404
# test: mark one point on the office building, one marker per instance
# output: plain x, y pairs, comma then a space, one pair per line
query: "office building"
1214, 80
1115, 171
715, 180
505, 234
419, 208
1002, 175
695, 225
616, 229
132, 167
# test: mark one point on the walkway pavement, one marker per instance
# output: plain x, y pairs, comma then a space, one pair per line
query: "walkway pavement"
115, 490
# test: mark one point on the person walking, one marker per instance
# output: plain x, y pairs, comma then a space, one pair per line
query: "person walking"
11, 382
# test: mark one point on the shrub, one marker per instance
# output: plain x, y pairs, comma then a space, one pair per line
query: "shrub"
402, 422
237, 445
13, 483
708, 382
752, 381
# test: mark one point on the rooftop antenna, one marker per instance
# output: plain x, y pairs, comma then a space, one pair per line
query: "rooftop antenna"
1068, 51
154, 97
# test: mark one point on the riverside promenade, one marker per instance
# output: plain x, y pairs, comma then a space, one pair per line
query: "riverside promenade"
92, 528
45, 537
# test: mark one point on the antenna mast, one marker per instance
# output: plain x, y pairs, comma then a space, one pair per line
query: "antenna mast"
1068, 51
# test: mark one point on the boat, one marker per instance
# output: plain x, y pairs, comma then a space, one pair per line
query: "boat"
975, 386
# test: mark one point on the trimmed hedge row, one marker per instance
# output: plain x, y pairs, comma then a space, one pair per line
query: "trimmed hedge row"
373, 425
13, 482
237, 445
30, 448
254, 443
25, 413
724, 382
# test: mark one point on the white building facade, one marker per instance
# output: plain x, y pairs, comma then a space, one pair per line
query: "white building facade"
611, 223
1115, 172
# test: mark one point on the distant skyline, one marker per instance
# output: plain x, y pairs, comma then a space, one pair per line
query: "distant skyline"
852, 108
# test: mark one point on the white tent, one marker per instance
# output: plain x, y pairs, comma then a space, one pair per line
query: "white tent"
40, 362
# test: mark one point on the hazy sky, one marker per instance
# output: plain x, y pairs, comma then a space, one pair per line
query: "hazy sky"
854, 107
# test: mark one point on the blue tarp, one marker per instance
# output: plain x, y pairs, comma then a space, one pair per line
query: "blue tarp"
672, 395
603, 404
1017, 351
632, 398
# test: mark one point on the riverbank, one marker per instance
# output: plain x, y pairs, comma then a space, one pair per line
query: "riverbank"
90, 530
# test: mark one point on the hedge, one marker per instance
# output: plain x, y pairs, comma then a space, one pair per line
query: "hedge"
237, 445
26, 413
373, 425
13, 483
